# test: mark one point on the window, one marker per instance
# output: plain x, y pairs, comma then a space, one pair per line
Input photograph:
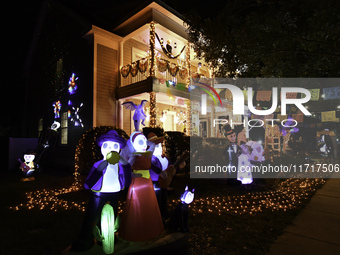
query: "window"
40, 126
64, 126
169, 123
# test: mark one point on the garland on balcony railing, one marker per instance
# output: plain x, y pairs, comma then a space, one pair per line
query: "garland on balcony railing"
163, 65
140, 65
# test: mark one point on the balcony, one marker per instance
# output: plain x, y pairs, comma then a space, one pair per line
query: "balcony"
166, 71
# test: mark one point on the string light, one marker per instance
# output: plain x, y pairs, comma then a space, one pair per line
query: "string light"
152, 49
188, 115
288, 195
153, 110
48, 199
187, 62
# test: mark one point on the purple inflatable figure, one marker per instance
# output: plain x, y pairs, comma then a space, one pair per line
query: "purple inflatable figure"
139, 114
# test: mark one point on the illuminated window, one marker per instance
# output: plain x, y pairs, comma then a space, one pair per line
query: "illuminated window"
64, 126
40, 126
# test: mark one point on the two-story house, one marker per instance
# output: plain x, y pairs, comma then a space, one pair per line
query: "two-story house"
79, 74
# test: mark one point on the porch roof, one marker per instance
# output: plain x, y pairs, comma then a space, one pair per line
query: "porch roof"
153, 84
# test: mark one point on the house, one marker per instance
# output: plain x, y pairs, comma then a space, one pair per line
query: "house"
79, 74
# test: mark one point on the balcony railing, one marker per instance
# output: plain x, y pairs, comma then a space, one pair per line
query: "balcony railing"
164, 69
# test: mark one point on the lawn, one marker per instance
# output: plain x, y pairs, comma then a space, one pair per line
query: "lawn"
44, 216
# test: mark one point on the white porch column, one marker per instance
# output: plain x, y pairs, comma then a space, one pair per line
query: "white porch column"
119, 119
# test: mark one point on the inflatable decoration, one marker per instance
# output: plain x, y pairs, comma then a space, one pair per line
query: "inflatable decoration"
289, 127
141, 219
108, 229
28, 166
159, 163
105, 180
232, 152
244, 167
139, 115
180, 217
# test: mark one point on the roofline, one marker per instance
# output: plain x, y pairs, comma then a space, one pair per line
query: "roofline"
143, 6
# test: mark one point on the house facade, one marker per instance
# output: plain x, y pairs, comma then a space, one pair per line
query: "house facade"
79, 74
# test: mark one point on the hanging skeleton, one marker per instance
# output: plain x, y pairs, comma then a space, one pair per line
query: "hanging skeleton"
167, 51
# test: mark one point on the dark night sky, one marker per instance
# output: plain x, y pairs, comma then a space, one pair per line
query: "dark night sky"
18, 27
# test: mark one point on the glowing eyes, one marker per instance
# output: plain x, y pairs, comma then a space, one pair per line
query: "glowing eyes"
116, 146
105, 145
141, 142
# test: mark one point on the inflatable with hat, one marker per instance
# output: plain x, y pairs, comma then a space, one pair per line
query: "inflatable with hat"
105, 180
232, 152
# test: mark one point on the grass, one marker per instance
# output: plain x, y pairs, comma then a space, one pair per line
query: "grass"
224, 219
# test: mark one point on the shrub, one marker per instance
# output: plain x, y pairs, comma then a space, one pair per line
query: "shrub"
88, 152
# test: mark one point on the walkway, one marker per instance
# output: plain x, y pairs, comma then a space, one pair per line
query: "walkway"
316, 230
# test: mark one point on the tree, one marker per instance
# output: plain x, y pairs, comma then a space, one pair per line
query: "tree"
268, 38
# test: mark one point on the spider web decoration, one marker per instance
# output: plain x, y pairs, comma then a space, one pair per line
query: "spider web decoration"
74, 115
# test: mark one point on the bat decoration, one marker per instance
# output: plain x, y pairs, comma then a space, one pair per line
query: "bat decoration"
139, 115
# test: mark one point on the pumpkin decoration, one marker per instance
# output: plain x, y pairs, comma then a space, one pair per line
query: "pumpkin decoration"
134, 69
183, 72
173, 69
143, 65
125, 70
162, 65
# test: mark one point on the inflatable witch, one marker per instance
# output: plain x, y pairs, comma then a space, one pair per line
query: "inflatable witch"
105, 180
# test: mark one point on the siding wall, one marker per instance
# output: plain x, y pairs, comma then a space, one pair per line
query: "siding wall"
127, 57
107, 81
